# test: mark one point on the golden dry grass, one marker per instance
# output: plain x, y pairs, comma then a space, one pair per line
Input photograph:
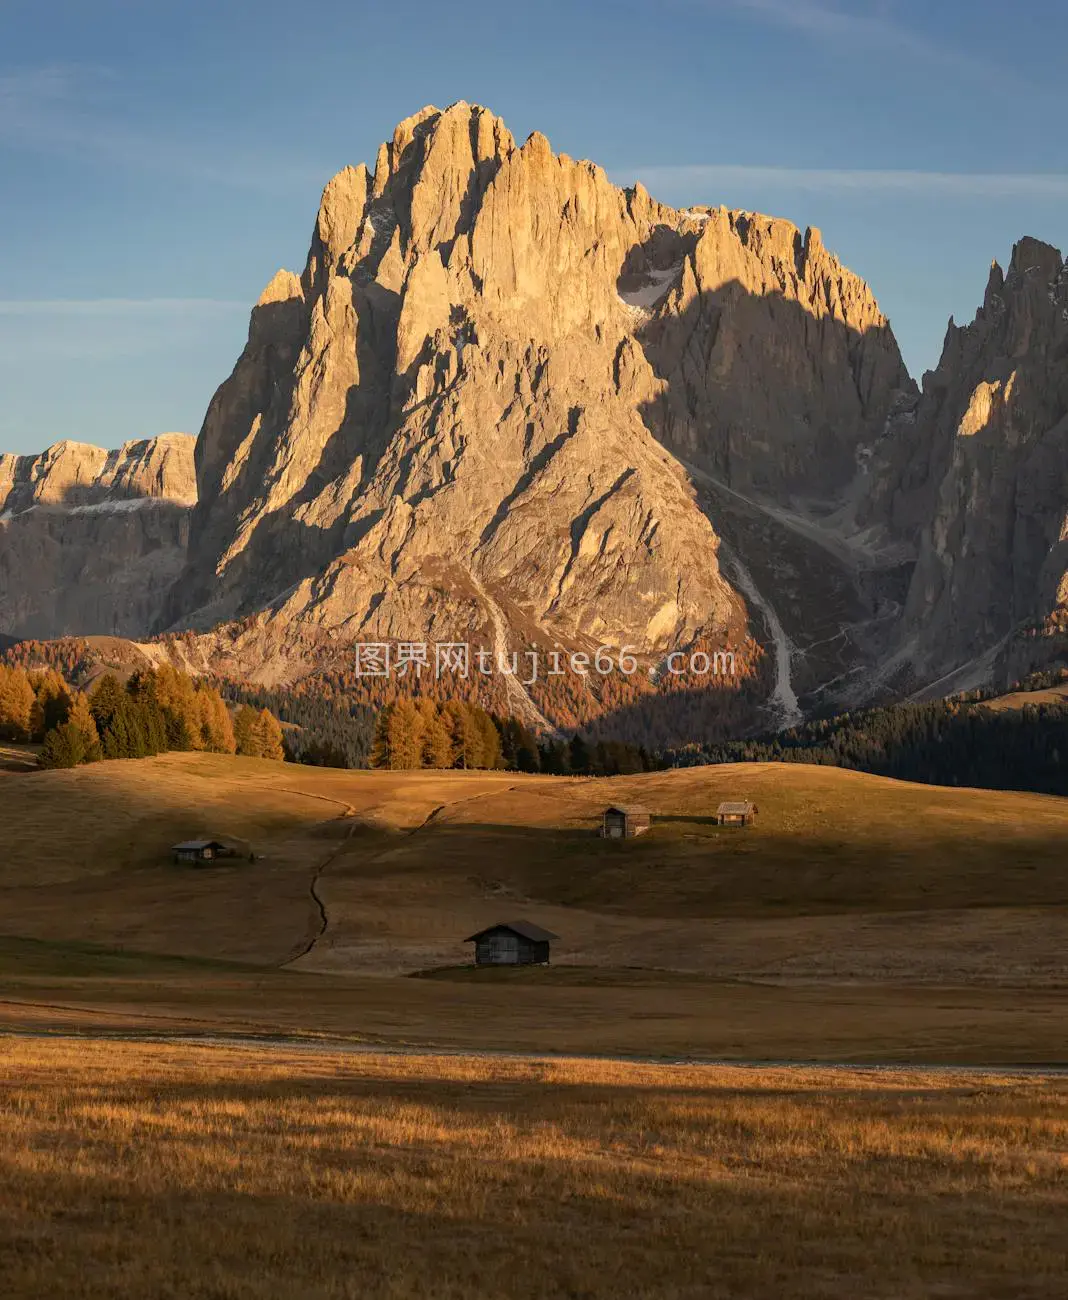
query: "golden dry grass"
849, 890
826, 839
129, 1170
1025, 699
682, 1018
844, 876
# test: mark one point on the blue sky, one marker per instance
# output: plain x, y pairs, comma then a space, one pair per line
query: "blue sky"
160, 160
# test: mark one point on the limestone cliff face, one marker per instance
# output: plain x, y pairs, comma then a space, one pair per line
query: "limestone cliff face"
91, 540
505, 401
779, 364
976, 472
470, 410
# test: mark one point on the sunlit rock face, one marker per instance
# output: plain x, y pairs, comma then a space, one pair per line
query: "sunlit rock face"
92, 540
485, 398
507, 402
976, 474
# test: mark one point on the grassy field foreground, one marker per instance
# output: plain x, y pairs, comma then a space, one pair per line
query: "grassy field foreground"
129, 1170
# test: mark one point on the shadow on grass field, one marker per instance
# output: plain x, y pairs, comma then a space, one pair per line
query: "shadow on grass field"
560, 976
30, 958
859, 917
131, 1171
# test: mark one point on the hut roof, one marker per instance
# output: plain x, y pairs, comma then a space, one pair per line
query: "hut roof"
629, 809
525, 930
196, 845
735, 808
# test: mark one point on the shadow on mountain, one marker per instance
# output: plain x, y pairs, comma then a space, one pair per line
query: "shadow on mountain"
747, 441
768, 407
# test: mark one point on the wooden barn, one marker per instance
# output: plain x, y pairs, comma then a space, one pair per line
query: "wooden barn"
201, 851
512, 943
624, 821
736, 812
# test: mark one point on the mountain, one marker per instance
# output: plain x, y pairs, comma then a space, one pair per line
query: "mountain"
509, 403
92, 540
494, 403
974, 477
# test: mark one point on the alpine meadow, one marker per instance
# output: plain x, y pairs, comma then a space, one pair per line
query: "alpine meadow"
538, 769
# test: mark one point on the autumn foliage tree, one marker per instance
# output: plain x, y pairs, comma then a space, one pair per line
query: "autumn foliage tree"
16, 703
158, 709
258, 734
425, 733
270, 734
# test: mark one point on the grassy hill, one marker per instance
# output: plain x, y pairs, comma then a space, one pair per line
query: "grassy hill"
364, 878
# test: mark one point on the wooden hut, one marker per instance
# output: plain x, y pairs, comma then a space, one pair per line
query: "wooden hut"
199, 851
624, 821
512, 943
736, 812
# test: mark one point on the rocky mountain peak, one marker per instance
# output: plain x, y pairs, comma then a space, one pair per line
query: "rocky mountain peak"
468, 411
977, 469
91, 540
508, 402
73, 475
1032, 256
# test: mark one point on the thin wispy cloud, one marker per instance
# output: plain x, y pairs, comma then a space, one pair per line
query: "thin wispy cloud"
79, 109
160, 307
866, 24
715, 179
870, 27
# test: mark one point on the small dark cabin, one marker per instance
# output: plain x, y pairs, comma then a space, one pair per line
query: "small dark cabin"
512, 943
200, 851
624, 821
739, 812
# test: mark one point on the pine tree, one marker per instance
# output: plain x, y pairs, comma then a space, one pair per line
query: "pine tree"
51, 705
247, 735
489, 739
270, 736
16, 703
139, 744
554, 757
437, 744
405, 735
579, 755
215, 726
177, 698
150, 718
81, 717
64, 746
380, 752
527, 758
105, 699
463, 734
115, 738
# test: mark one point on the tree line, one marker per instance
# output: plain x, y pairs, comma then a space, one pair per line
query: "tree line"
158, 709
421, 732
333, 713
945, 742
325, 730
163, 708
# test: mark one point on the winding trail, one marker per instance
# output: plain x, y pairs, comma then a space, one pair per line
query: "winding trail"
350, 811
313, 887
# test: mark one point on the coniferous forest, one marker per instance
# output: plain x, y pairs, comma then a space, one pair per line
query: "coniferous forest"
425, 732
947, 742
963, 741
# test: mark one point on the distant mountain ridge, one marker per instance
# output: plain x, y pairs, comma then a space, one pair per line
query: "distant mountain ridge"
92, 540
508, 403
